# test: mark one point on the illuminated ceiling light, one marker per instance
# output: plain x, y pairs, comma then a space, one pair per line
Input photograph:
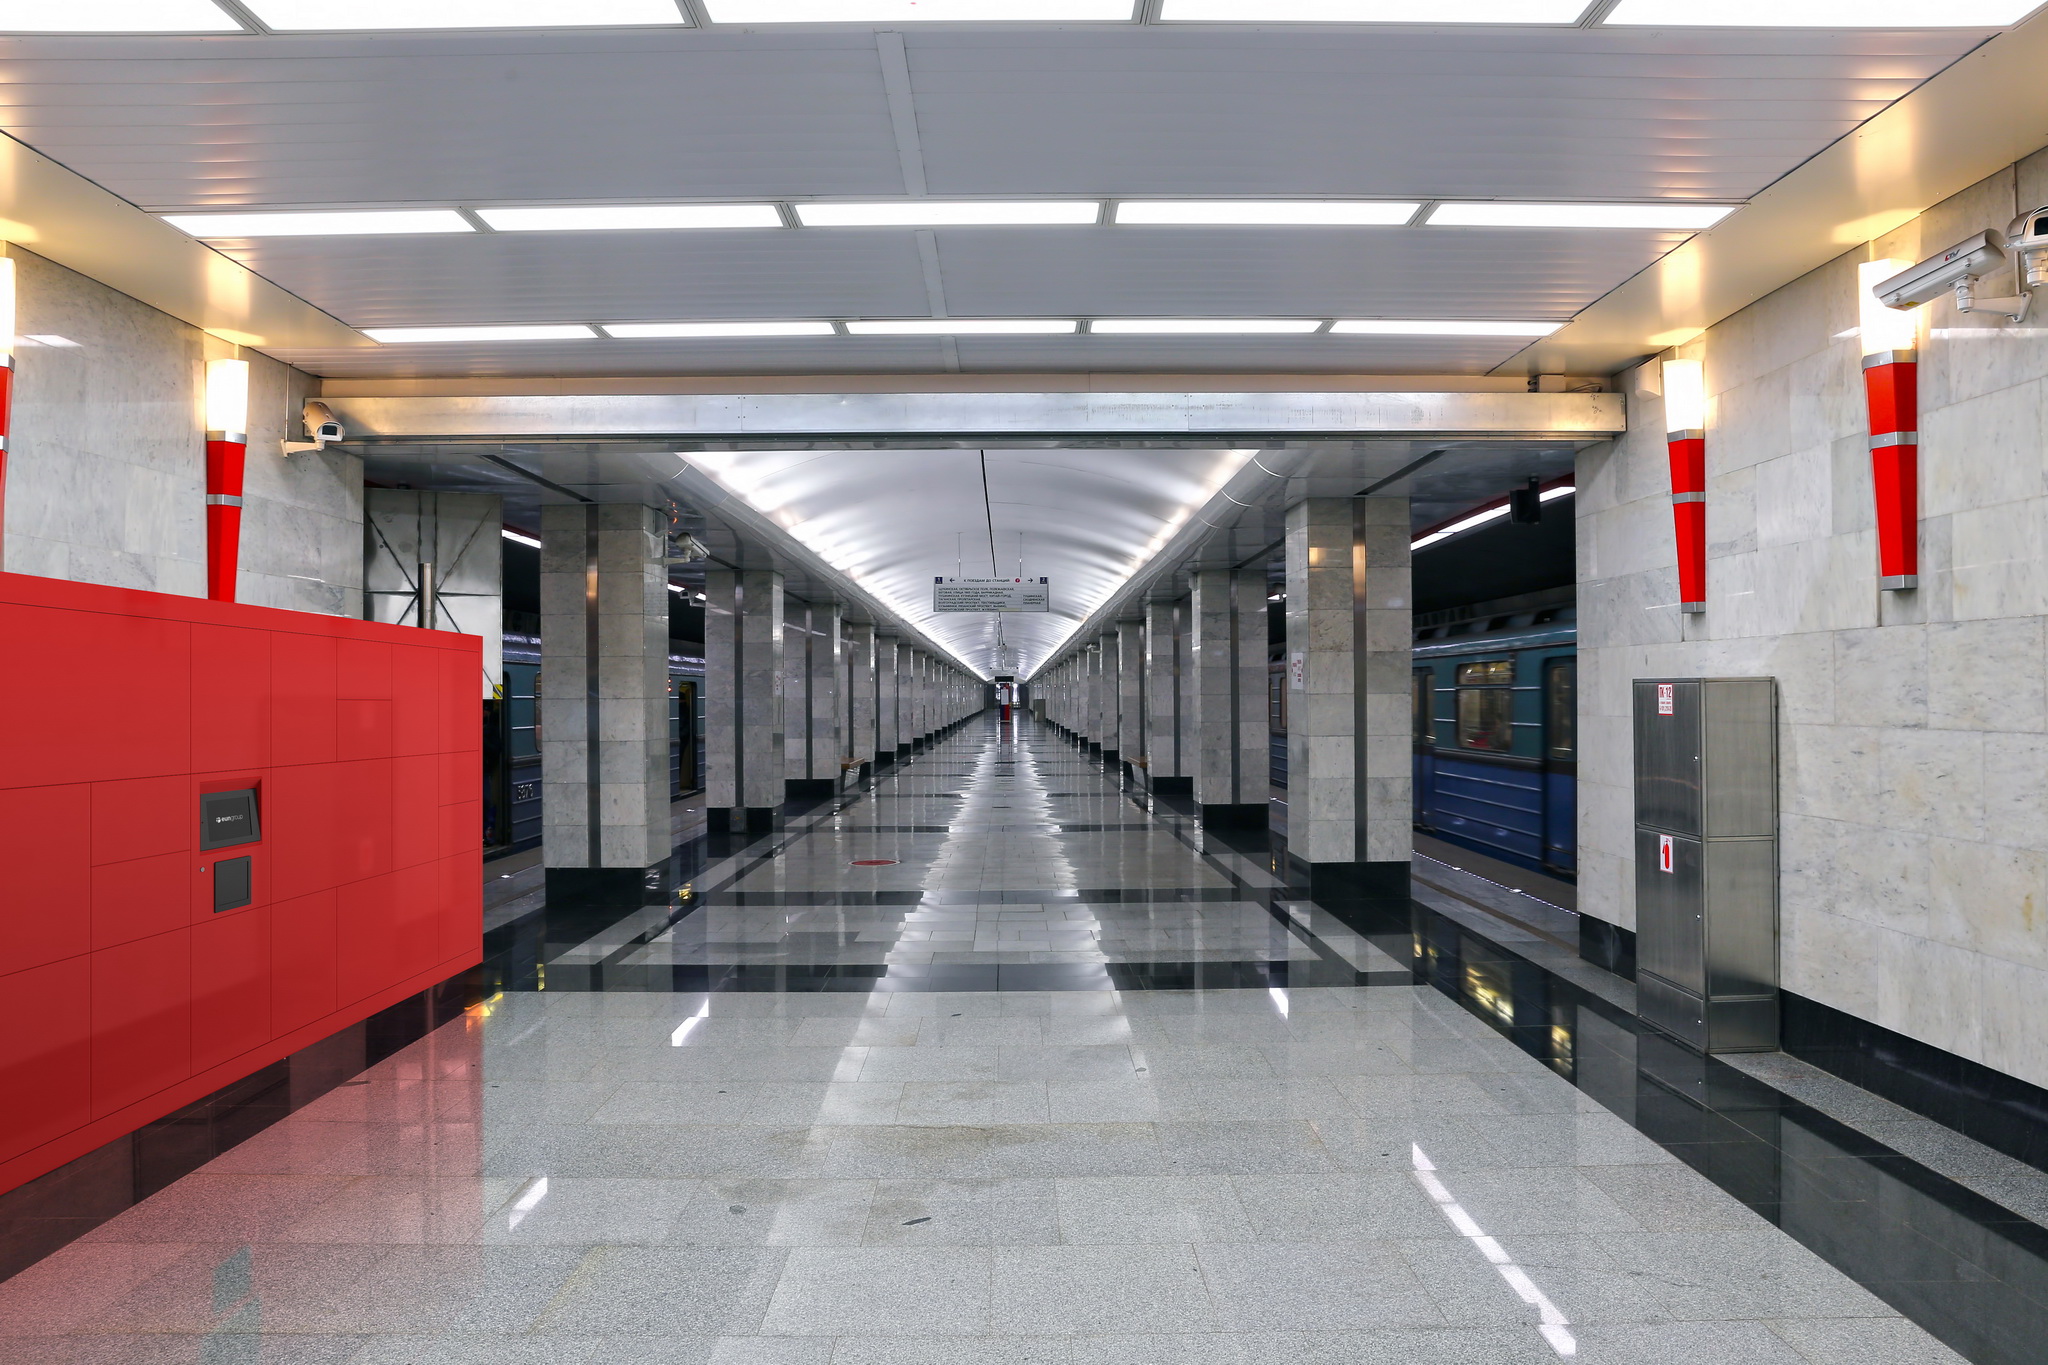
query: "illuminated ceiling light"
1822, 13
301, 15
1266, 212
1482, 517
325, 223
632, 217
915, 11
934, 327
727, 330
1372, 12
951, 213
227, 400
428, 335
1442, 328
115, 16
1200, 326
1685, 396
520, 537
1679, 217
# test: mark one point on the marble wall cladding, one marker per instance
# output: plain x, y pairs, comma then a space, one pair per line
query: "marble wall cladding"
888, 690
106, 478
1211, 687
461, 534
1163, 723
743, 690
1130, 690
827, 690
604, 632
860, 694
1254, 736
1913, 726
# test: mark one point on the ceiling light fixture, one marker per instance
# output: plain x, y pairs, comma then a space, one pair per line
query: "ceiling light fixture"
1663, 217
919, 11
634, 331
631, 217
934, 327
1480, 518
532, 542
1427, 327
319, 223
951, 213
1372, 12
1201, 326
1822, 13
1266, 212
431, 335
116, 16
311, 15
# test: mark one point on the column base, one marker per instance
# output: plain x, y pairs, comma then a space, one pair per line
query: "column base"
571, 887
808, 788
1109, 756
1248, 816
1608, 946
1171, 786
739, 819
885, 759
1348, 883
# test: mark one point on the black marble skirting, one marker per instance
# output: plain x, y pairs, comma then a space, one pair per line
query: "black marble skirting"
1998, 1110
1171, 786
1608, 946
65, 1204
572, 886
1338, 884
797, 788
1248, 816
747, 820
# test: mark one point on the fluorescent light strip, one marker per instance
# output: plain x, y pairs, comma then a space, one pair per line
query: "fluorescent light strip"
115, 16
920, 11
633, 331
952, 213
1266, 212
934, 327
313, 15
1201, 326
516, 536
1372, 12
1423, 327
1478, 519
632, 217
1668, 217
1822, 13
320, 223
441, 335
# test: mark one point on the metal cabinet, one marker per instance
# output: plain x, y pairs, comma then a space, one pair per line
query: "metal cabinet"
1706, 778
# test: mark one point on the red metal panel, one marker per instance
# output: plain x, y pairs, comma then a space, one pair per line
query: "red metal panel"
302, 701
416, 682
362, 670
301, 961
45, 1022
415, 810
461, 896
231, 690
90, 726
302, 826
362, 793
141, 1018
1891, 392
45, 845
363, 948
230, 985
140, 899
415, 932
362, 729
142, 816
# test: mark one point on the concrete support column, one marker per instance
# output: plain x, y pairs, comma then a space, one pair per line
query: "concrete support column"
888, 693
1130, 691
812, 702
1227, 631
860, 695
1109, 696
604, 701
743, 738
1349, 748
1165, 745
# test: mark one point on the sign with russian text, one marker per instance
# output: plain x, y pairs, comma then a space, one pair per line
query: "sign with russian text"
1665, 698
991, 594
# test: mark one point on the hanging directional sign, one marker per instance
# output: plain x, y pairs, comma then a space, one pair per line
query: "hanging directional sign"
991, 594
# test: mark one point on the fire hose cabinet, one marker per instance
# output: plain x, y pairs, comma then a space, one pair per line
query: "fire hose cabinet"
1706, 779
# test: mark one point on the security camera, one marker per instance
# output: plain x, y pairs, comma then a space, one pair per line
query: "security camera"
2028, 238
687, 549
321, 425
1956, 271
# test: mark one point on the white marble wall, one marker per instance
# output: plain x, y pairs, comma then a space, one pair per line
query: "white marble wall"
743, 646
1164, 742
1914, 726
888, 689
106, 472
860, 693
1130, 683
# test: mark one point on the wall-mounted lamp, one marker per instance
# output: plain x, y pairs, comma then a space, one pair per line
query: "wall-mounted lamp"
1891, 393
1685, 437
227, 447
6, 372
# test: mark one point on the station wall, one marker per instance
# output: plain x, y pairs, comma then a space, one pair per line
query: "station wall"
106, 464
1914, 726
123, 993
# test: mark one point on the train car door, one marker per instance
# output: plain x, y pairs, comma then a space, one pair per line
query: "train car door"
683, 735
1560, 765
1423, 709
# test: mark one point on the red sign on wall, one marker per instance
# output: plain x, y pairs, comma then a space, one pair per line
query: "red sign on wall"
1664, 853
1665, 698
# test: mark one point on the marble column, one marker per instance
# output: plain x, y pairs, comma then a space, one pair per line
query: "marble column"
1109, 696
1166, 748
604, 701
912, 660
743, 737
860, 697
1349, 748
811, 704
1227, 711
1130, 693
888, 699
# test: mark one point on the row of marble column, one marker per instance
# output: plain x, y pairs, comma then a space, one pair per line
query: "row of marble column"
1183, 697
797, 700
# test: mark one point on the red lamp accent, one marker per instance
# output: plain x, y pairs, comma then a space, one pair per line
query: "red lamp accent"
1891, 388
227, 446
6, 376
1685, 418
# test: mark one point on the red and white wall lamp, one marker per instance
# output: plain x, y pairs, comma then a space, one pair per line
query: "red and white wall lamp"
227, 449
6, 374
1891, 393
1685, 438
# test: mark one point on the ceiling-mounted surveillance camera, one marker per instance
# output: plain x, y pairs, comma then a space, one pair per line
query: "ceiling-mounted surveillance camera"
321, 425
687, 549
1956, 271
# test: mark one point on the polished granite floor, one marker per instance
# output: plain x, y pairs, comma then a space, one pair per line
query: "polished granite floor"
1062, 1081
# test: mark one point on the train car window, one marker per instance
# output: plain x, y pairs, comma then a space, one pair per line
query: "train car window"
1561, 709
1424, 694
1486, 706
